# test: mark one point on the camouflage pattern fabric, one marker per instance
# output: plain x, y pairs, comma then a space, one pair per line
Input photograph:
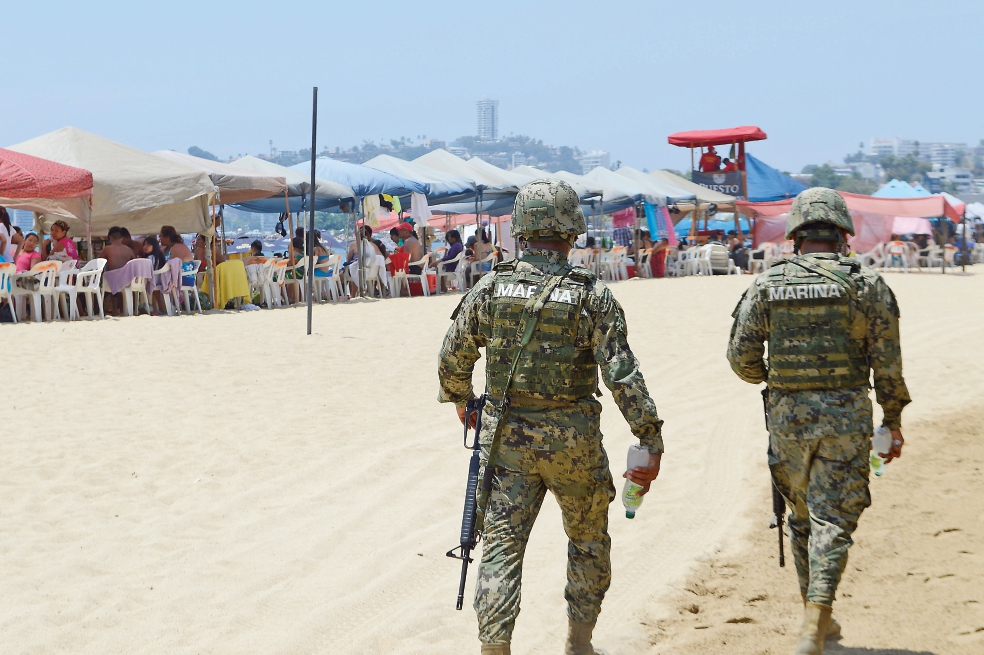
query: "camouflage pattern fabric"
605, 335
819, 205
557, 450
546, 443
876, 325
825, 483
547, 208
819, 438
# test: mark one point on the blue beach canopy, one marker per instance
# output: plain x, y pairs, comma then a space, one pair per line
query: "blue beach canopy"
900, 189
363, 180
766, 183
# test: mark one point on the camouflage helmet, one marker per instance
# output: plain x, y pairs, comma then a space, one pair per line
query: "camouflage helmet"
819, 205
547, 209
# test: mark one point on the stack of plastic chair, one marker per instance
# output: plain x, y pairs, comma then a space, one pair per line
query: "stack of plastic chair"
88, 282
6, 270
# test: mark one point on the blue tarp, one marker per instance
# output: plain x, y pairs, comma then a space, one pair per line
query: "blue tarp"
683, 227
766, 183
900, 189
363, 180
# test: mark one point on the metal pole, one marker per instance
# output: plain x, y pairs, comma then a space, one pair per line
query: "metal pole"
963, 245
310, 234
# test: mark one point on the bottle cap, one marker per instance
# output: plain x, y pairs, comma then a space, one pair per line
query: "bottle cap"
630, 515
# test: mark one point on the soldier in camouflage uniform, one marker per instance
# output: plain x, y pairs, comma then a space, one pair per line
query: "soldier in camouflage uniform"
547, 328
829, 323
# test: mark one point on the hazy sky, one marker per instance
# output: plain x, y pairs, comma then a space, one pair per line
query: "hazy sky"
818, 77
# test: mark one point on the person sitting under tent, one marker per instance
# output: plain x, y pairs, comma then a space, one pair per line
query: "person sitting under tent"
411, 245
60, 246
455, 247
709, 161
729, 166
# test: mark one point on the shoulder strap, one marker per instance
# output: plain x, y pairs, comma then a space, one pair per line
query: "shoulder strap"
845, 280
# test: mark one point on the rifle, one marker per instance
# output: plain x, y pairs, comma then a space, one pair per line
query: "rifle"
778, 502
470, 533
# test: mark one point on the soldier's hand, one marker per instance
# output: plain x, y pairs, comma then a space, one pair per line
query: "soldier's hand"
471, 419
644, 476
896, 449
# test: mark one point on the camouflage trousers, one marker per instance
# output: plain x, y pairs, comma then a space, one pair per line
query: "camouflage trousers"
540, 451
825, 483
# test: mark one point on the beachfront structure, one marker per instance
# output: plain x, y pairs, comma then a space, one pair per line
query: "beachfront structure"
488, 119
594, 159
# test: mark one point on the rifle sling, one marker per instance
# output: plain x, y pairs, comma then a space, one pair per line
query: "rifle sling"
531, 315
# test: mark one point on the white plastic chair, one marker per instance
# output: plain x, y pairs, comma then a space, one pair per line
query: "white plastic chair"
645, 269
457, 275
189, 292
46, 274
6, 270
171, 293
375, 277
256, 276
475, 271
949, 253
274, 293
717, 259
874, 257
88, 282
326, 286
421, 277
671, 263
575, 257
896, 256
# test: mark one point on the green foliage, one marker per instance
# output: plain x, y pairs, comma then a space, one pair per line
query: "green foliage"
808, 169
329, 221
195, 151
826, 177
823, 175
906, 169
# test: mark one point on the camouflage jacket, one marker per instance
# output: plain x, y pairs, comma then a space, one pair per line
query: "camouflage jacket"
604, 325
826, 412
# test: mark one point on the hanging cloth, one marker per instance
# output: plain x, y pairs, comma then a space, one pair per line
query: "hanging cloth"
370, 210
419, 209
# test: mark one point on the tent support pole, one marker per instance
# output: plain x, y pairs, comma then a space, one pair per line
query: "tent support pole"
310, 235
636, 238
963, 244
601, 217
210, 254
359, 249
290, 251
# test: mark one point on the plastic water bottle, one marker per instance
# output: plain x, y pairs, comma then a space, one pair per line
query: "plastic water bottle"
881, 442
638, 457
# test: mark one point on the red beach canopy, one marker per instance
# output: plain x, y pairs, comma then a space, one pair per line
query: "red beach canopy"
24, 176
703, 138
44, 186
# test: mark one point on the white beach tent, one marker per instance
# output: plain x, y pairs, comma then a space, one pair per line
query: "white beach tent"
488, 182
704, 195
618, 192
666, 192
585, 189
326, 194
131, 188
234, 184
441, 187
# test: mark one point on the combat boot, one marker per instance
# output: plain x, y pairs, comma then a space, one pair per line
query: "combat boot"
579, 639
833, 628
816, 621
495, 649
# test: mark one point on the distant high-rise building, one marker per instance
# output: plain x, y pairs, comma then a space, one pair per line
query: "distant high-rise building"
488, 119
518, 159
939, 154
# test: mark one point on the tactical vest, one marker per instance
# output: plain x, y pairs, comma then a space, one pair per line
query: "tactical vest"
551, 366
816, 329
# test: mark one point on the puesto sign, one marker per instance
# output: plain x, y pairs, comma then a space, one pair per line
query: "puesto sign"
729, 183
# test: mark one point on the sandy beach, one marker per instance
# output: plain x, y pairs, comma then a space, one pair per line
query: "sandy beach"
226, 484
